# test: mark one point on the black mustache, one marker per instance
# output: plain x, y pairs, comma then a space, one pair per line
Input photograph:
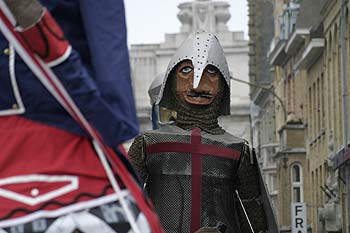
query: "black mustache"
199, 94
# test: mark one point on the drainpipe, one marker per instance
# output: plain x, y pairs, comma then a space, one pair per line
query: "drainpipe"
345, 111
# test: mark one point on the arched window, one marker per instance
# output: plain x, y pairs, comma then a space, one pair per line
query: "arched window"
297, 183
335, 36
330, 44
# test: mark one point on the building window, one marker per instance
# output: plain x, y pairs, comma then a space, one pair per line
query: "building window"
297, 183
323, 112
273, 182
288, 19
310, 114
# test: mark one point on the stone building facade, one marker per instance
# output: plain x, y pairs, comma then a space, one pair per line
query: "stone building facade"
291, 157
335, 202
149, 60
310, 55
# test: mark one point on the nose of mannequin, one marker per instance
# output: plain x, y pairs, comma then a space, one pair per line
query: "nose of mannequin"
203, 85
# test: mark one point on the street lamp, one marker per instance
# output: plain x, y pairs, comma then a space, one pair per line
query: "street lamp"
265, 89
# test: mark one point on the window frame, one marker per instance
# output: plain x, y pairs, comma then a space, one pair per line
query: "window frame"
296, 184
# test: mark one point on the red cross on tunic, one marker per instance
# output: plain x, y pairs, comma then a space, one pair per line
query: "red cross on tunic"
197, 150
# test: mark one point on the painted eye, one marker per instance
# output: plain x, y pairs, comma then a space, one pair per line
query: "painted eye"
211, 71
186, 70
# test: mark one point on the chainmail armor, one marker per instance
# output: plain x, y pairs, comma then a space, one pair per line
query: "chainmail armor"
169, 180
137, 155
204, 118
249, 190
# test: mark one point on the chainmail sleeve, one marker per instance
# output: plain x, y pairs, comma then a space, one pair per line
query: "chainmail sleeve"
137, 155
248, 188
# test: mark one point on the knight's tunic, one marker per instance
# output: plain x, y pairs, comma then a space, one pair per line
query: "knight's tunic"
191, 177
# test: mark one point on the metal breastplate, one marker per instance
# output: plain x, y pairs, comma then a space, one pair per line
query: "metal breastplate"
191, 178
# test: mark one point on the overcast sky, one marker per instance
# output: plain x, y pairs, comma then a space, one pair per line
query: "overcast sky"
149, 20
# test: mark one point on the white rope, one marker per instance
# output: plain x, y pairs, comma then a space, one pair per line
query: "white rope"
116, 187
245, 213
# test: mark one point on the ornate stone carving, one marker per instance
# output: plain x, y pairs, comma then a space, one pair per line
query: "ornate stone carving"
204, 15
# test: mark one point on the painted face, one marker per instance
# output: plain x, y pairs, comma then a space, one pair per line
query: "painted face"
207, 89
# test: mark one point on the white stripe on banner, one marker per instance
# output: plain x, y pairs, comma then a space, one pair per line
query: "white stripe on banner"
62, 211
82, 221
142, 223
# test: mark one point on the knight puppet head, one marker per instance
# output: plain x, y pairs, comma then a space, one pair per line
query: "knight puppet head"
197, 75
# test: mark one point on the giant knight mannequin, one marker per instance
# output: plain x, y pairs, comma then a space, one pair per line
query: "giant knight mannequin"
198, 175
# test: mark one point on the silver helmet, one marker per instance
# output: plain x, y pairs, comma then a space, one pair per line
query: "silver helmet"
160, 116
154, 88
202, 49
